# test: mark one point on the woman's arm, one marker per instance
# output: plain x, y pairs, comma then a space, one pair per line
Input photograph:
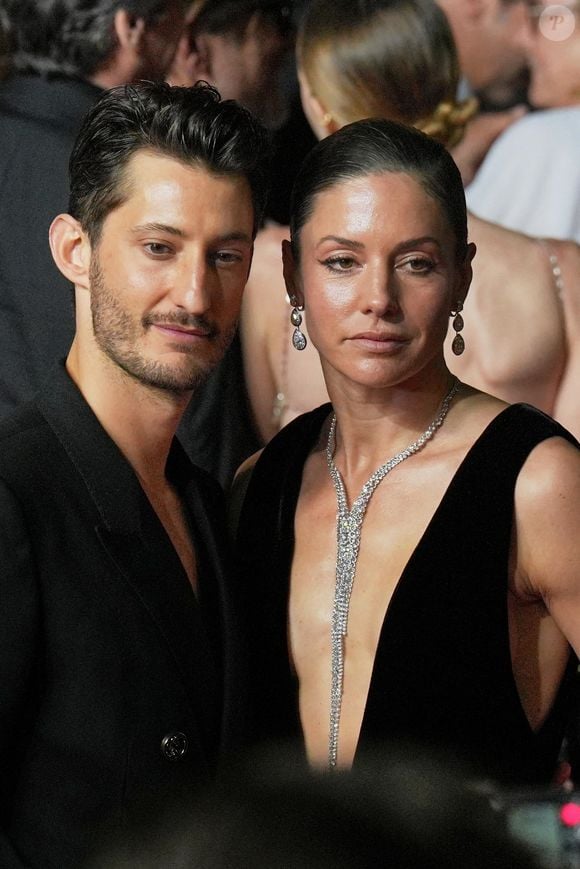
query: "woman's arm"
547, 525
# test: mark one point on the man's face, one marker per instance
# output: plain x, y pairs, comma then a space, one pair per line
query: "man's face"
555, 54
167, 274
492, 46
508, 31
160, 40
250, 70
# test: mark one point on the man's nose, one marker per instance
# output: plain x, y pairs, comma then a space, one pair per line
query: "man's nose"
192, 290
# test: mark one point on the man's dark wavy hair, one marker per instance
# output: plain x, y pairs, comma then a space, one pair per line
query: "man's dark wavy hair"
67, 37
189, 124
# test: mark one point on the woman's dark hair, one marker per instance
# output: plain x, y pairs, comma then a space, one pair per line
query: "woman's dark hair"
189, 124
375, 147
67, 37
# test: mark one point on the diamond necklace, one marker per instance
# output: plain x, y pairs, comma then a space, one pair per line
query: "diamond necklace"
348, 534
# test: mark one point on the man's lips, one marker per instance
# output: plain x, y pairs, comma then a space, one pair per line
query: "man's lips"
183, 332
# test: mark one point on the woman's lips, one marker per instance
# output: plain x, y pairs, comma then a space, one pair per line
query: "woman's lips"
380, 342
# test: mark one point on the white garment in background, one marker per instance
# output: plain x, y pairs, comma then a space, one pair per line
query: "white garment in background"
530, 178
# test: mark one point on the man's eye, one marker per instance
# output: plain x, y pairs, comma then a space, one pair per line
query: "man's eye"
225, 257
157, 248
339, 263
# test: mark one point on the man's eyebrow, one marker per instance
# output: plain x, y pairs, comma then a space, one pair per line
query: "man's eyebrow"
235, 236
179, 233
158, 227
347, 242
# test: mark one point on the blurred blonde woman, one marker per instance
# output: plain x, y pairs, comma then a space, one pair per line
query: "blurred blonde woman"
396, 59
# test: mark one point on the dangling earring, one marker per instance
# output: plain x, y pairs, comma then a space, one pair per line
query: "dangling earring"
298, 338
458, 345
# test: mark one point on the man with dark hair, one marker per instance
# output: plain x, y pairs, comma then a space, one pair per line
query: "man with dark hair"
61, 54
491, 38
120, 678
239, 46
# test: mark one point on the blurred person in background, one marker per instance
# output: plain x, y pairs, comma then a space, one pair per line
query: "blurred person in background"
491, 39
522, 315
242, 47
61, 56
401, 808
530, 179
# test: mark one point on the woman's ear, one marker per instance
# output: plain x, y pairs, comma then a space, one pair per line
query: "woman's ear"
465, 274
321, 120
70, 249
291, 275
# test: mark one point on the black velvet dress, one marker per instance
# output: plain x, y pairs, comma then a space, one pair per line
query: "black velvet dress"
442, 674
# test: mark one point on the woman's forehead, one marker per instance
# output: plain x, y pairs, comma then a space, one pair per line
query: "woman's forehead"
388, 193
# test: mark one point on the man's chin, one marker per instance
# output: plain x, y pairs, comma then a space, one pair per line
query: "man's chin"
172, 380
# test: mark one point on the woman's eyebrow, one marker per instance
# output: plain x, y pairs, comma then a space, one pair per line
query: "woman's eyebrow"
347, 242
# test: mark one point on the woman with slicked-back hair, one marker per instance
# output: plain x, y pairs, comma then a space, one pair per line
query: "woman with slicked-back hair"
409, 552
396, 59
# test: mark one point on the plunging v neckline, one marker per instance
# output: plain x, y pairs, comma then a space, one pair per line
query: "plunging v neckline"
290, 502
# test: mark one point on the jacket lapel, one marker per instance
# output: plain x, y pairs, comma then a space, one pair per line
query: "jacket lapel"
136, 542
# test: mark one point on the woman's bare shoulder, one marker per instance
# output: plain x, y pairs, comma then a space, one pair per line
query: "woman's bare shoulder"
547, 506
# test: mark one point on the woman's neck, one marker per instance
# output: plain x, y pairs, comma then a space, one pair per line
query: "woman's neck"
374, 425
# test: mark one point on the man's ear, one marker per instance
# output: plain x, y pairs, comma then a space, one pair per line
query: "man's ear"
129, 29
71, 250
292, 275
200, 60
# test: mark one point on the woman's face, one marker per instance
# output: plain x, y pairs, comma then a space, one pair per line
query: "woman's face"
554, 55
378, 277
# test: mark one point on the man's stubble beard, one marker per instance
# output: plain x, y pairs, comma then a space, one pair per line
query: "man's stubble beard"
117, 335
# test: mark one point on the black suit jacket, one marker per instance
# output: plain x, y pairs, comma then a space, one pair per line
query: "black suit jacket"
104, 648
39, 120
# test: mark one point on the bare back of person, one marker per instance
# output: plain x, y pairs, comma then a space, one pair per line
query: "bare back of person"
516, 344
521, 334
389, 538
281, 383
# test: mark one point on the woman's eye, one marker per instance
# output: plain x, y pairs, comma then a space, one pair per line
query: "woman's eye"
419, 265
339, 263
